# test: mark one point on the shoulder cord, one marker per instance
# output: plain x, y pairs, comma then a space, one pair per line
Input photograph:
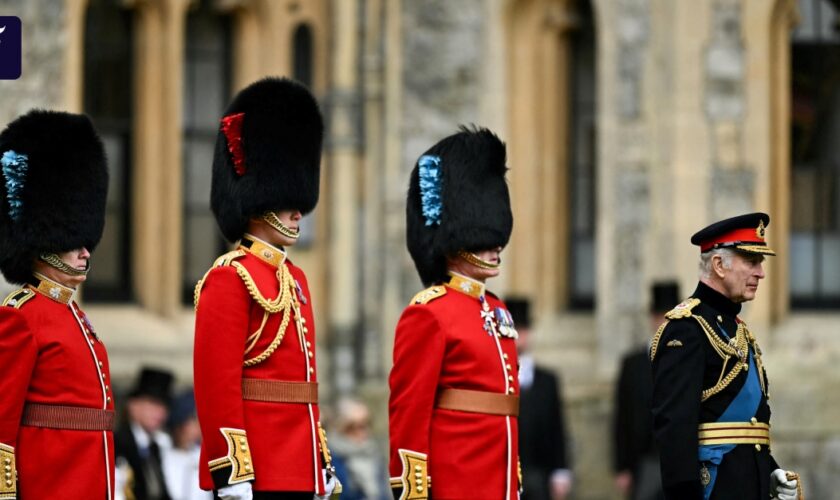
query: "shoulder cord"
283, 303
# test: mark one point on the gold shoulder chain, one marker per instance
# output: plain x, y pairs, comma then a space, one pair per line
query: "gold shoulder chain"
654, 344
223, 260
284, 303
270, 306
726, 351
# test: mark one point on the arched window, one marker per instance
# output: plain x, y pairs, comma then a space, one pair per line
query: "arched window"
303, 55
108, 101
303, 63
582, 161
815, 157
207, 69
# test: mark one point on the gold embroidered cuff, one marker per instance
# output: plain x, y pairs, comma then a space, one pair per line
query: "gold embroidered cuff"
8, 485
238, 457
415, 481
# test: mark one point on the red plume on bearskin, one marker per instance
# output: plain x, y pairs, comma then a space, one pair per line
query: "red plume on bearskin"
232, 128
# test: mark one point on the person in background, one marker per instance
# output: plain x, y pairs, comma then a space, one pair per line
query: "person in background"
358, 462
181, 460
635, 457
141, 439
543, 445
56, 405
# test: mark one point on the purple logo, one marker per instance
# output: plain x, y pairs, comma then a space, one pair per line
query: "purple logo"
10, 47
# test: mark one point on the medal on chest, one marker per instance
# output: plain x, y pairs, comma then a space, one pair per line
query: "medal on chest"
498, 321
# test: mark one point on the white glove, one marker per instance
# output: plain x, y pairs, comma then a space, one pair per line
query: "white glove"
238, 491
331, 485
780, 487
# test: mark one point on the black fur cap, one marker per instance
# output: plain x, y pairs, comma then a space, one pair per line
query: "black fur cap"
475, 213
62, 190
281, 139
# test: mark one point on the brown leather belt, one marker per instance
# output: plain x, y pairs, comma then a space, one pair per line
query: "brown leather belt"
279, 391
67, 417
490, 403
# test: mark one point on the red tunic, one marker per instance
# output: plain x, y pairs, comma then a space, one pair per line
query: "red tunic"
441, 343
53, 357
281, 438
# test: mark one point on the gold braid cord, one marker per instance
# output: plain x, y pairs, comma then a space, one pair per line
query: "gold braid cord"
285, 303
654, 344
740, 351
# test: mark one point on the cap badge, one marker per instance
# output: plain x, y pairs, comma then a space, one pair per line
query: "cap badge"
759, 231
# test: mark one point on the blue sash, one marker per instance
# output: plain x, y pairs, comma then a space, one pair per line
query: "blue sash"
741, 409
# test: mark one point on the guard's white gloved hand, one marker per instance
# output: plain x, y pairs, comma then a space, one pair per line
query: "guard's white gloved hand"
238, 491
780, 487
331, 485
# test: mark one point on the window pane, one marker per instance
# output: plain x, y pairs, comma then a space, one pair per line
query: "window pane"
815, 158
107, 99
302, 55
206, 87
582, 164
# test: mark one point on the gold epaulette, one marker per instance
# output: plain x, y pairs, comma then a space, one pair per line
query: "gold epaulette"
683, 309
222, 261
429, 294
226, 259
18, 298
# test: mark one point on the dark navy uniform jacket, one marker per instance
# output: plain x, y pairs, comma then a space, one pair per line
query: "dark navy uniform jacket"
690, 389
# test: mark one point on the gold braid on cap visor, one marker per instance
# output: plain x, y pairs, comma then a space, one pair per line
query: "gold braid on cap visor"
275, 222
55, 261
476, 260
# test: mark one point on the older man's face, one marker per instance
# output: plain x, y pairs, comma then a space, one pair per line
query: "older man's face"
741, 281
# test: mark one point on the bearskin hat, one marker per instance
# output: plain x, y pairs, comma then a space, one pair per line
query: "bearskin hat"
457, 200
53, 190
268, 154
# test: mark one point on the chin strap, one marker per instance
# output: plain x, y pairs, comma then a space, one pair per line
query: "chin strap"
477, 261
272, 220
55, 261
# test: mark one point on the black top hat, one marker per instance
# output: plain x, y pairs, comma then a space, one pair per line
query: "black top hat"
744, 233
665, 295
520, 310
268, 154
154, 383
457, 200
53, 189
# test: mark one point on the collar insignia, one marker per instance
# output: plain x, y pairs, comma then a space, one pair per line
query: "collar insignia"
267, 253
53, 290
466, 285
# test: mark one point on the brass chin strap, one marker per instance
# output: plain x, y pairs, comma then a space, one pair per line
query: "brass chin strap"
55, 261
476, 260
274, 221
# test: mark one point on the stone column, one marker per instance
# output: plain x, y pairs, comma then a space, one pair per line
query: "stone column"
622, 178
157, 202
342, 146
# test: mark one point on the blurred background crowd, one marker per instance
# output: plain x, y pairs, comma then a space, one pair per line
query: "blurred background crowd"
630, 124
